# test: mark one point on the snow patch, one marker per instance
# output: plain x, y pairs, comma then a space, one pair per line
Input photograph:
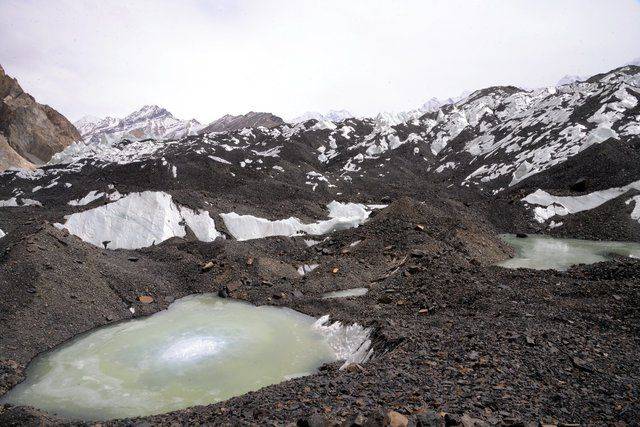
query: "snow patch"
342, 216
92, 196
307, 268
220, 160
139, 220
549, 205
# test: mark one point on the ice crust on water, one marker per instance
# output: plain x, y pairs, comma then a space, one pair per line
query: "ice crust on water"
549, 205
342, 216
139, 220
201, 350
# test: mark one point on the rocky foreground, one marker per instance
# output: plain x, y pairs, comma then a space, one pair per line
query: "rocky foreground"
456, 341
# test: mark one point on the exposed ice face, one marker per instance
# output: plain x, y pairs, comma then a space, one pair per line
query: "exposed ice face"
349, 343
201, 350
545, 253
2, 234
342, 216
139, 220
548, 206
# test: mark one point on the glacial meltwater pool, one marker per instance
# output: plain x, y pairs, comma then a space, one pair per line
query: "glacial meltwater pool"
201, 350
545, 253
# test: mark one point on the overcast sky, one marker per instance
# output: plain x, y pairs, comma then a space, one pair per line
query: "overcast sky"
205, 58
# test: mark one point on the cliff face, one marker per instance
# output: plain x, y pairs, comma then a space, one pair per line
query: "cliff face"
30, 133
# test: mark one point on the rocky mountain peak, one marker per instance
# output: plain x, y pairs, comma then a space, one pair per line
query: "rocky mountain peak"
30, 133
252, 119
148, 112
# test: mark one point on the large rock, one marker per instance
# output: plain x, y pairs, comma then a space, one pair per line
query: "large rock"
30, 133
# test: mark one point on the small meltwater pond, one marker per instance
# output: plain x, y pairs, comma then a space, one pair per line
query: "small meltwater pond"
201, 350
545, 253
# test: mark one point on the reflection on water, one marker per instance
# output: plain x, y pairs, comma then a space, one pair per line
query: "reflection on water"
544, 253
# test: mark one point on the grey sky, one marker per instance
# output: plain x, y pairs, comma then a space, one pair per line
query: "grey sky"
203, 59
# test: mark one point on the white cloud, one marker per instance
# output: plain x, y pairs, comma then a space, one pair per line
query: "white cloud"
204, 59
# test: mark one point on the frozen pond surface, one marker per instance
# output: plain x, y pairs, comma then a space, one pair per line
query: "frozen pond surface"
545, 253
346, 293
201, 350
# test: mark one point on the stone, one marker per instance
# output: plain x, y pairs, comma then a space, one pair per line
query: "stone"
223, 292
427, 419
207, 266
396, 419
145, 299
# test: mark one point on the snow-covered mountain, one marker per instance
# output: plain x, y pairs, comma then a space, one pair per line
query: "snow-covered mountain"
500, 142
149, 121
568, 79
335, 116
492, 139
634, 62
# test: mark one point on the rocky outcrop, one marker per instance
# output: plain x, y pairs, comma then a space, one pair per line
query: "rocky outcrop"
30, 133
250, 120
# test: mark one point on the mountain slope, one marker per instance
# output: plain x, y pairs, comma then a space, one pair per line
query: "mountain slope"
30, 132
